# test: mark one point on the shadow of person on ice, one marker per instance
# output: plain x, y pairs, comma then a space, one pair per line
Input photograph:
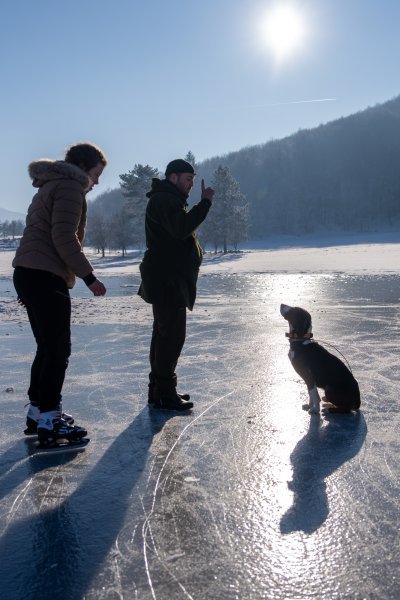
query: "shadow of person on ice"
14, 468
56, 553
321, 452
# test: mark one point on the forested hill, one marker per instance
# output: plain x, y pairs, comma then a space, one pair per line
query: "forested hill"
342, 175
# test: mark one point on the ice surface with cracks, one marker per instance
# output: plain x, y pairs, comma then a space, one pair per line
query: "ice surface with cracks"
247, 496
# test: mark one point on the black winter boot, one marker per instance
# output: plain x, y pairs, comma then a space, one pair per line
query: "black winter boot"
150, 397
172, 401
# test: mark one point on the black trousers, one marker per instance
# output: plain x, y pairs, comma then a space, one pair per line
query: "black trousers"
48, 304
168, 338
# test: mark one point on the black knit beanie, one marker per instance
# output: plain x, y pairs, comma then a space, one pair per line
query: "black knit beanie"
179, 166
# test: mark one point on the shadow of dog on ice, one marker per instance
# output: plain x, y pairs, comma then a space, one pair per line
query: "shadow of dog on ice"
318, 367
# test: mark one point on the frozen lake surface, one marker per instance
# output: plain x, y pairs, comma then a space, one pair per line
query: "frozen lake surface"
248, 496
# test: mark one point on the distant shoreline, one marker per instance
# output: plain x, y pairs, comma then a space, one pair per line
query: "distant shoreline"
321, 240
362, 253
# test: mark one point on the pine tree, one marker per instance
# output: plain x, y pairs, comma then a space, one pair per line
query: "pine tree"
190, 158
239, 223
134, 186
228, 224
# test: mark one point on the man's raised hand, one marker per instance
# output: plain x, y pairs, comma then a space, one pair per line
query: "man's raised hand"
207, 192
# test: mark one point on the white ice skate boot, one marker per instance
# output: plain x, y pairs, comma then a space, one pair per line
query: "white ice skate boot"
52, 427
33, 416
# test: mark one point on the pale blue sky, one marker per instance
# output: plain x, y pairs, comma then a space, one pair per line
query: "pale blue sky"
148, 80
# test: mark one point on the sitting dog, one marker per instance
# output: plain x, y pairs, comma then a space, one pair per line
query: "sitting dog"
318, 367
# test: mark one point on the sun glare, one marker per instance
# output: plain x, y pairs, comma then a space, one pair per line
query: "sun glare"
283, 31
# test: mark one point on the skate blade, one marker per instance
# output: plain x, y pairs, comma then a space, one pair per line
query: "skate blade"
61, 447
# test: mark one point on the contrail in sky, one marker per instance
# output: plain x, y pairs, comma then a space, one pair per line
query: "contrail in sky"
304, 101
247, 106
293, 102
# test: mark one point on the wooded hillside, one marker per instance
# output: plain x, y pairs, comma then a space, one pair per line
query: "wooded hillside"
342, 175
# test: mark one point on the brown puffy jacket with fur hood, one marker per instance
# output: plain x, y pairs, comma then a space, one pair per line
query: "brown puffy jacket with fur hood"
56, 220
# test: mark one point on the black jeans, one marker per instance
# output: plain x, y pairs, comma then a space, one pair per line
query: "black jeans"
48, 304
168, 338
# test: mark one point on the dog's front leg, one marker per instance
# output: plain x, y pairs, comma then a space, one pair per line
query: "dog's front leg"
315, 400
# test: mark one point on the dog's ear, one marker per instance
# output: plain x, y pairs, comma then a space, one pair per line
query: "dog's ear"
285, 310
301, 321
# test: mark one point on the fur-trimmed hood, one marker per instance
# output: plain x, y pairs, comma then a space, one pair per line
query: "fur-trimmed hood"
43, 170
55, 223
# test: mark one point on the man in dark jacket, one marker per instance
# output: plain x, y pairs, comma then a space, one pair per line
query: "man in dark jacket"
169, 271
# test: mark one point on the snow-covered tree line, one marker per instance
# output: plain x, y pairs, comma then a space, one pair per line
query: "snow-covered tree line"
116, 217
11, 229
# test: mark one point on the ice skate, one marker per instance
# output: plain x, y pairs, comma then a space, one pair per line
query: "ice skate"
33, 415
55, 434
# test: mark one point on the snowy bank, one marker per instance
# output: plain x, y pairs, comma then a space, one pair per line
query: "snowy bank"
361, 254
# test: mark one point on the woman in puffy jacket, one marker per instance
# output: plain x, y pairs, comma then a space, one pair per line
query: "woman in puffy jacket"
48, 259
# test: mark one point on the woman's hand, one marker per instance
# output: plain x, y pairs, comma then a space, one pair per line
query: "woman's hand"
97, 288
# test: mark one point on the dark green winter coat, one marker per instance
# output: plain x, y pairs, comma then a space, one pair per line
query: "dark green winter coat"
170, 265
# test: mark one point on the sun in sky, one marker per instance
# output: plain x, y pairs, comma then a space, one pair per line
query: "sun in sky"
283, 30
